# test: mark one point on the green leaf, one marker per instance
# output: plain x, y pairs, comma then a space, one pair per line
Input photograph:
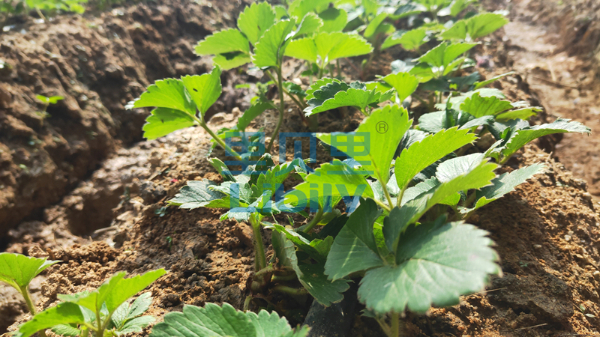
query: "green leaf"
360, 98
317, 85
485, 23
255, 20
231, 60
479, 106
163, 121
523, 136
43, 99
67, 330
299, 8
458, 31
506, 183
523, 113
331, 179
354, 248
335, 45
312, 276
304, 49
198, 194
459, 6
18, 270
404, 83
334, 20
251, 113
310, 24
167, 93
413, 39
455, 175
55, 99
269, 48
382, 129
432, 148
135, 325
204, 89
374, 24
436, 264
226, 41
63, 313
221, 321
444, 54
127, 288
491, 80
127, 312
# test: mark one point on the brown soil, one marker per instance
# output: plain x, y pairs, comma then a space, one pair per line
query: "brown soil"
546, 232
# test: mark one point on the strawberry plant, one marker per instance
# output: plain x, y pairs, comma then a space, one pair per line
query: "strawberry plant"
19, 270
410, 187
46, 101
104, 312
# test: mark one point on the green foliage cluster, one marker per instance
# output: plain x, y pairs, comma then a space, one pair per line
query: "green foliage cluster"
415, 187
411, 189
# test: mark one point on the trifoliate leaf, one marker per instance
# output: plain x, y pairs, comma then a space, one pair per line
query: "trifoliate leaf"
404, 83
334, 20
198, 194
231, 60
506, 183
479, 106
379, 135
221, 321
255, 20
269, 48
128, 287
523, 136
204, 89
354, 248
63, 313
167, 93
432, 148
317, 85
18, 270
436, 264
226, 41
485, 23
408, 9
523, 113
444, 54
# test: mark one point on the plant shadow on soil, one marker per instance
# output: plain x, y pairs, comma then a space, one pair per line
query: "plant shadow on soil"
546, 232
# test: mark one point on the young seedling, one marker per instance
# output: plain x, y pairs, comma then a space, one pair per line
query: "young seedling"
19, 270
104, 312
47, 101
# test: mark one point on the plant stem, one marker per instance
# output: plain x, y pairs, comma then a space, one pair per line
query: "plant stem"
395, 324
100, 331
289, 290
383, 205
40, 14
217, 138
25, 292
400, 195
260, 259
383, 184
308, 226
281, 108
